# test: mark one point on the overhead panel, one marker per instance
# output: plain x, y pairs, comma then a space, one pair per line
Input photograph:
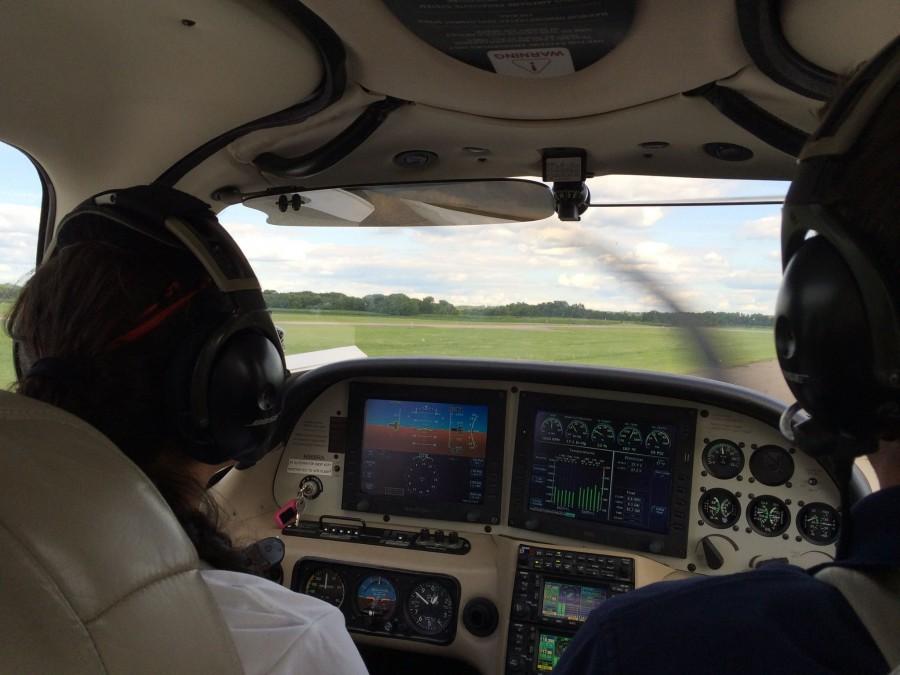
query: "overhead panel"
527, 38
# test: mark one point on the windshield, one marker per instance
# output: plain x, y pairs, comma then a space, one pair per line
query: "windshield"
635, 287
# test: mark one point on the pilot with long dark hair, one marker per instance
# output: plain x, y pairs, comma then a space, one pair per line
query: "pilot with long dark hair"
111, 327
837, 342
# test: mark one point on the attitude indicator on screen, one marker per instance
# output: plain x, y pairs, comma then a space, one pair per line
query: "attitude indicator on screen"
424, 450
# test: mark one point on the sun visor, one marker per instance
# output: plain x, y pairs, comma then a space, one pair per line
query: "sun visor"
410, 204
520, 39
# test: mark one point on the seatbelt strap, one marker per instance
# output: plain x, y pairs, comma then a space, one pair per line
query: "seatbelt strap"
875, 597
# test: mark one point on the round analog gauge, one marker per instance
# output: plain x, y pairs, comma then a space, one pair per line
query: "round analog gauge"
720, 508
376, 596
723, 459
768, 515
577, 433
603, 436
551, 429
421, 476
430, 607
630, 437
658, 440
326, 585
771, 465
818, 523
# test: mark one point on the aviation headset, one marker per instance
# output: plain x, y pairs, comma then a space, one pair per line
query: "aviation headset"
837, 328
226, 378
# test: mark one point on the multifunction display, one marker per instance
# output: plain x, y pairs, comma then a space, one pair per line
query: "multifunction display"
550, 650
605, 469
570, 601
425, 450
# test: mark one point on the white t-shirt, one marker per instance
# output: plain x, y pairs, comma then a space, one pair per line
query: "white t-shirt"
279, 632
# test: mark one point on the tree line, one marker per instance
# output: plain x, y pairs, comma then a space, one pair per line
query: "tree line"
400, 304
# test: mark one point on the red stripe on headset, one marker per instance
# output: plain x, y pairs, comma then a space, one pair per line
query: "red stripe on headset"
155, 315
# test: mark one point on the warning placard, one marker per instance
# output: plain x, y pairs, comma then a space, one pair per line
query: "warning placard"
521, 38
551, 62
316, 467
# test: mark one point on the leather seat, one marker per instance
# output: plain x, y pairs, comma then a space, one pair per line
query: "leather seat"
96, 574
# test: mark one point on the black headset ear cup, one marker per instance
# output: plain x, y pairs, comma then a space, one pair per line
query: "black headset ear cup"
244, 396
822, 338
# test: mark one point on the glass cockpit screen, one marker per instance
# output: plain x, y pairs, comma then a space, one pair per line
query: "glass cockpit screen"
424, 450
570, 601
601, 470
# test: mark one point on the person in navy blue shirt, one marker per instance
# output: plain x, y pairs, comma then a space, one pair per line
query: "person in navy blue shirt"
779, 618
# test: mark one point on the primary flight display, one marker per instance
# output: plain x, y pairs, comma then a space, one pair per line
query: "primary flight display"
424, 449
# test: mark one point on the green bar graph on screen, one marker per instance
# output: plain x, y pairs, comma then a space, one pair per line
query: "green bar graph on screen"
585, 498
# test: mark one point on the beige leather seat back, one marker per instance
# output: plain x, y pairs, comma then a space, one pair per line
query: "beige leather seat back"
96, 575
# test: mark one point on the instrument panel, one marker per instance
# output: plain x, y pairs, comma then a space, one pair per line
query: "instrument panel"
697, 487
461, 472
384, 602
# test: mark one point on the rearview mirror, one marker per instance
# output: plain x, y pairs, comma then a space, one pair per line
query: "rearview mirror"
410, 204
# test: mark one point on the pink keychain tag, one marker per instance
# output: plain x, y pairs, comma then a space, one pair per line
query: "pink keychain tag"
286, 514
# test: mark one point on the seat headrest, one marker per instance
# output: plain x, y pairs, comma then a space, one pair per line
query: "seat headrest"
96, 569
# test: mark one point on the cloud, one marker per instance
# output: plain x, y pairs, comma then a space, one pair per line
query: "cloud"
768, 227
18, 240
623, 258
584, 280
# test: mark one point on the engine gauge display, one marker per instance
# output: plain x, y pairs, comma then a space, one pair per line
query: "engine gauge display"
376, 596
551, 430
768, 515
771, 465
818, 523
326, 585
577, 433
630, 437
720, 508
603, 436
430, 607
658, 440
723, 459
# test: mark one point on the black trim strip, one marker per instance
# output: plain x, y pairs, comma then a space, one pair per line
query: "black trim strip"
48, 209
750, 117
760, 25
302, 390
331, 88
334, 150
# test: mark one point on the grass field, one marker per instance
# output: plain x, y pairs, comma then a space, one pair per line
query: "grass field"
592, 342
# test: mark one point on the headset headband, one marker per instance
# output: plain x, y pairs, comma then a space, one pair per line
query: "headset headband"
160, 216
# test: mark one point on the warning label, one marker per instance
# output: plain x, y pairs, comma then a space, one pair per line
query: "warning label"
522, 38
316, 467
532, 62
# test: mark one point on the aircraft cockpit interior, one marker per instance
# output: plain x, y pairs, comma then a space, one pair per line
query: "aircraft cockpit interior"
515, 264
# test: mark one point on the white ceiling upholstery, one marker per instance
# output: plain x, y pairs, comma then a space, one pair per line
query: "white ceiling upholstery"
105, 93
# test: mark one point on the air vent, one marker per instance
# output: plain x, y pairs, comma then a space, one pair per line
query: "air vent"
728, 152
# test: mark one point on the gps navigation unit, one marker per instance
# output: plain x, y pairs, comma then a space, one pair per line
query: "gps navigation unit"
606, 471
423, 451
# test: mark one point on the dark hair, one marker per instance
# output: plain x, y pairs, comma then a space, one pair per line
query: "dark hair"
73, 310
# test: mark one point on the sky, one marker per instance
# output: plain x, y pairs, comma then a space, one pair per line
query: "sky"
722, 258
